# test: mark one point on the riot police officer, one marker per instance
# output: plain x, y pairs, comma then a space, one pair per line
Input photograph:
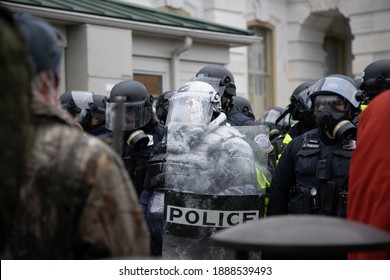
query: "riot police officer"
152, 198
277, 128
223, 81
97, 110
312, 174
141, 129
72, 101
300, 111
197, 104
244, 106
88, 109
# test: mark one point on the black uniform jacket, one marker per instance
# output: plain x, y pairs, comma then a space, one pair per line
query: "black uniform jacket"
313, 168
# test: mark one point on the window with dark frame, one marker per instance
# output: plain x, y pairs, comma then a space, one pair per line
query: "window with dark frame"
153, 83
260, 69
335, 49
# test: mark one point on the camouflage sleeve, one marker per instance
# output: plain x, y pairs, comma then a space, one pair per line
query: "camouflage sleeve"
112, 219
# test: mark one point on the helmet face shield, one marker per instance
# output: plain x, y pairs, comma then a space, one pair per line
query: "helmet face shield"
190, 107
76, 100
98, 107
271, 116
301, 101
82, 99
135, 115
336, 85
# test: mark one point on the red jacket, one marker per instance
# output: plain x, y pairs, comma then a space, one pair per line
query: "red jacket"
369, 180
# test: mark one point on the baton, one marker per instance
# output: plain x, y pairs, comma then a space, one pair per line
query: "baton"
117, 139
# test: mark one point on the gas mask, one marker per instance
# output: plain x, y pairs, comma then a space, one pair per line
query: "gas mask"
332, 113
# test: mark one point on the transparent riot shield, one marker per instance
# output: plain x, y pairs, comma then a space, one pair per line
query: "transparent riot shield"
211, 183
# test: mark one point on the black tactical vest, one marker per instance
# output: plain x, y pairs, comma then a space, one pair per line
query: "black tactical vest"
322, 177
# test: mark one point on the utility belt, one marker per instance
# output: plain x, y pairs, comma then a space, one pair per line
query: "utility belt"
324, 200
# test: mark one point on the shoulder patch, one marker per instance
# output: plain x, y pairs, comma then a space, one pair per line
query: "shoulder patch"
264, 143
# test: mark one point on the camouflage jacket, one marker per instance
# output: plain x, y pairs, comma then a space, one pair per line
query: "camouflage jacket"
77, 201
15, 125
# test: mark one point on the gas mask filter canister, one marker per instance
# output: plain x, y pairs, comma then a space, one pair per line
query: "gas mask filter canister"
138, 140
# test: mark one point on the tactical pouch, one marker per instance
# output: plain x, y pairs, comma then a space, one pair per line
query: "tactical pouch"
329, 197
342, 200
322, 170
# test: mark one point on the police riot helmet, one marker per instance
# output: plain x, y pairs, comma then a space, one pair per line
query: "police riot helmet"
162, 104
133, 91
334, 102
376, 78
219, 77
194, 103
336, 84
300, 100
244, 106
137, 104
74, 101
98, 106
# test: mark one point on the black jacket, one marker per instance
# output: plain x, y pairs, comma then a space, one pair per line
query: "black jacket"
310, 177
136, 162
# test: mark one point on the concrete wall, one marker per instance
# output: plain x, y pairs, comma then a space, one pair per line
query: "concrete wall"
98, 57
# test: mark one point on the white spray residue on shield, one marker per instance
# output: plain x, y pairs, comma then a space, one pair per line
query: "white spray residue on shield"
214, 161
